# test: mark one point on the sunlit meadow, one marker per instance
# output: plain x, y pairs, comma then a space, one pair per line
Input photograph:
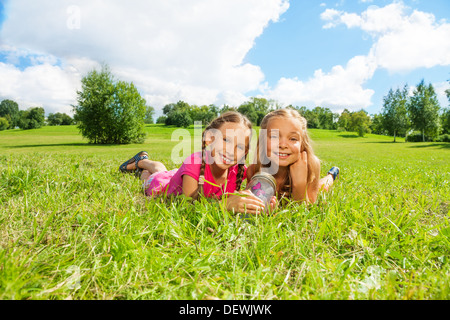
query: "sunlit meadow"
73, 227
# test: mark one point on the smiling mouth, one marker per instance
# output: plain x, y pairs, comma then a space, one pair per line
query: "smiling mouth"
282, 155
226, 160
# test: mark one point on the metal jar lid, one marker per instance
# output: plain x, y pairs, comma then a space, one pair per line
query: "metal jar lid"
266, 176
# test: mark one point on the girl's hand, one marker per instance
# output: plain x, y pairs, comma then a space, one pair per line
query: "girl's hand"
299, 170
245, 202
273, 204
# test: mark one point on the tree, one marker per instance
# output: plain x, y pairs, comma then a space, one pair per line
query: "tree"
109, 111
248, 110
344, 120
149, 113
10, 111
325, 117
179, 118
33, 118
59, 119
311, 117
445, 117
395, 114
256, 109
4, 124
161, 120
178, 114
360, 122
205, 114
424, 110
226, 108
445, 121
376, 125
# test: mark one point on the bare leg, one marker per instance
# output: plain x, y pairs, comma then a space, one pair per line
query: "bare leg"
326, 182
149, 167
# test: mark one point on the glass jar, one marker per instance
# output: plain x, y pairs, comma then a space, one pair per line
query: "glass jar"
263, 186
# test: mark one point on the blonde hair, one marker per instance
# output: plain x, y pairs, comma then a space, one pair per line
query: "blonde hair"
262, 158
233, 117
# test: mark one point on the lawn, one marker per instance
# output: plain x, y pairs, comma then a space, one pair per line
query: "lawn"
73, 227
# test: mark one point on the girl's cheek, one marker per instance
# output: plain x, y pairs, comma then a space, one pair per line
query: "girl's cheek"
296, 146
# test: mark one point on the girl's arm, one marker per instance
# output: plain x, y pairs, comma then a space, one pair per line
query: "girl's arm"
301, 191
241, 201
250, 172
190, 186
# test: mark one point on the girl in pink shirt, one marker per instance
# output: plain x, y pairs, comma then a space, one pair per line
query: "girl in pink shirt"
218, 170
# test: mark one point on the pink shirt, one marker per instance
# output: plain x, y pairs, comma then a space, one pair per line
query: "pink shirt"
172, 181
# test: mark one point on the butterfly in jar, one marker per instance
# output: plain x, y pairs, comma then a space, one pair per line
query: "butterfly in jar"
256, 189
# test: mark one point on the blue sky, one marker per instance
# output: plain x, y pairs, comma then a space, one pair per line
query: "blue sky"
298, 45
336, 54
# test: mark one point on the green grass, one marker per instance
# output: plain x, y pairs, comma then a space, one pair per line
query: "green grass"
73, 227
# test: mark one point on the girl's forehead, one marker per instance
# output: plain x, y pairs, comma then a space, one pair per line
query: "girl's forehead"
284, 124
236, 127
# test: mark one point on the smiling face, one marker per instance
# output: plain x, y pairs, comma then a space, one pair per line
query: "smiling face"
228, 144
284, 138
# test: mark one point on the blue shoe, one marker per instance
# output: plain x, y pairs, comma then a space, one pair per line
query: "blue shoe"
334, 172
138, 157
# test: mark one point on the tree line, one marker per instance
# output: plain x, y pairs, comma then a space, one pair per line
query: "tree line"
32, 118
110, 111
418, 117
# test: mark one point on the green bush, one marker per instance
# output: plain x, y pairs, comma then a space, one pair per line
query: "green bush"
33, 118
4, 124
109, 111
179, 118
443, 138
161, 120
416, 136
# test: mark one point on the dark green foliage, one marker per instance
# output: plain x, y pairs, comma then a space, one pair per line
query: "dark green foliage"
10, 111
4, 124
445, 120
178, 114
161, 120
149, 113
179, 118
181, 114
33, 118
255, 109
424, 111
376, 125
204, 113
109, 111
395, 117
359, 122
444, 138
416, 136
319, 118
59, 119
344, 120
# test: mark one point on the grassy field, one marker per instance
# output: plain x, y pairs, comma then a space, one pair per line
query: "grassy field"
73, 227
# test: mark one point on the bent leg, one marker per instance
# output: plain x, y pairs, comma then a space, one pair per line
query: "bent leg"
148, 165
326, 182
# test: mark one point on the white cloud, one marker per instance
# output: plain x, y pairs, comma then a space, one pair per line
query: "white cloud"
43, 85
403, 41
190, 50
338, 89
441, 95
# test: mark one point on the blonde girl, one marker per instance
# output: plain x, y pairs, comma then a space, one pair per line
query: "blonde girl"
285, 145
218, 170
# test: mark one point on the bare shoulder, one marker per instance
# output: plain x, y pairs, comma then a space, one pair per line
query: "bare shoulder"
250, 171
